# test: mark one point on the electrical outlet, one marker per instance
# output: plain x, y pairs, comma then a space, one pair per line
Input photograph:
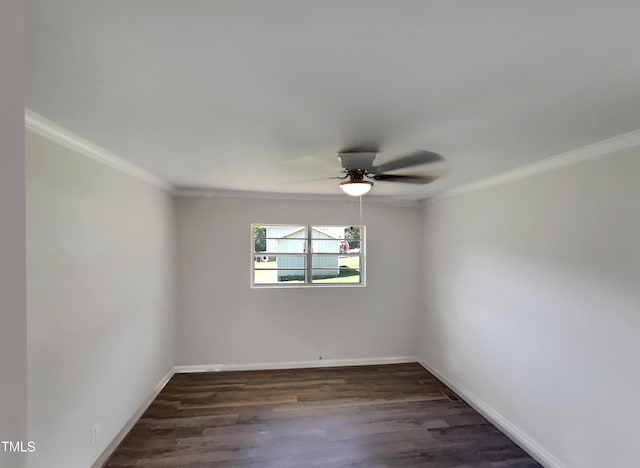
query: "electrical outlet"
96, 433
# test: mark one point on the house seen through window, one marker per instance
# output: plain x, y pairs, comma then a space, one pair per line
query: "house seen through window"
294, 255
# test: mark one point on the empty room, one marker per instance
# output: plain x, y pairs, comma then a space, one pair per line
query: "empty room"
319, 233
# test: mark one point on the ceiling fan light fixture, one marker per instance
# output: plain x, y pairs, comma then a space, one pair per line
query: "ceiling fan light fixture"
356, 188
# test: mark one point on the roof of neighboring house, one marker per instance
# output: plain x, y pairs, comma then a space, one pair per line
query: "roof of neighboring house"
323, 231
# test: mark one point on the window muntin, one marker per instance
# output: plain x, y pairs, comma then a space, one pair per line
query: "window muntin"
297, 255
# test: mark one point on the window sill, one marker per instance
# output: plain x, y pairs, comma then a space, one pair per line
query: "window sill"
307, 286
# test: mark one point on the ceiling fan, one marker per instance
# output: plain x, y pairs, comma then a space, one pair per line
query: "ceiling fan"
359, 168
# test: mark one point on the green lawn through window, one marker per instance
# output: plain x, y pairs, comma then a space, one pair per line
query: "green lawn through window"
348, 273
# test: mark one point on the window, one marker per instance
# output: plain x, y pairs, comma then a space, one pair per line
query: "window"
298, 255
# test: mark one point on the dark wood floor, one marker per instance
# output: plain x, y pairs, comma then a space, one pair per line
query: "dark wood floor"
367, 416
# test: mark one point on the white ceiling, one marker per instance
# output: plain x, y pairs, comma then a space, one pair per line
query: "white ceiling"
261, 95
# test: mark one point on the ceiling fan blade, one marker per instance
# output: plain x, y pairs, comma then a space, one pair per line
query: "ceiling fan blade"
413, 159
420, 180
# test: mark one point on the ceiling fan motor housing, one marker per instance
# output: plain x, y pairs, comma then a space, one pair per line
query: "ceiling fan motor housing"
361, 160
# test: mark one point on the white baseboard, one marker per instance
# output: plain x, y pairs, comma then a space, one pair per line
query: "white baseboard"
521, 438
104, 456
296, 364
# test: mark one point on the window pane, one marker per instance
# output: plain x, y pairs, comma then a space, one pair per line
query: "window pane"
331, 232
263, 262
335, 269
336, 261
348, 232
328, 276
340, 239
277, 231
329, 246
274, 238
279, 276
284, 245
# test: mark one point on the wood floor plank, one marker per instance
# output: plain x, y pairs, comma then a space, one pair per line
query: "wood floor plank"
396, 415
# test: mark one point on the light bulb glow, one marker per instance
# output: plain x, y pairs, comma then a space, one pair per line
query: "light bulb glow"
356, 189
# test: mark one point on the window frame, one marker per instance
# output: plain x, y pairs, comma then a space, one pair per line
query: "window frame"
308, 256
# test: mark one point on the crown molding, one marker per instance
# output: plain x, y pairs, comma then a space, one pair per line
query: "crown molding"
220, 193
45, 128
553, 163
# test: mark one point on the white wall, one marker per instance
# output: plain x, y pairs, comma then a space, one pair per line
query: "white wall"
99, 298
533, 305
221, 320
13, 346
